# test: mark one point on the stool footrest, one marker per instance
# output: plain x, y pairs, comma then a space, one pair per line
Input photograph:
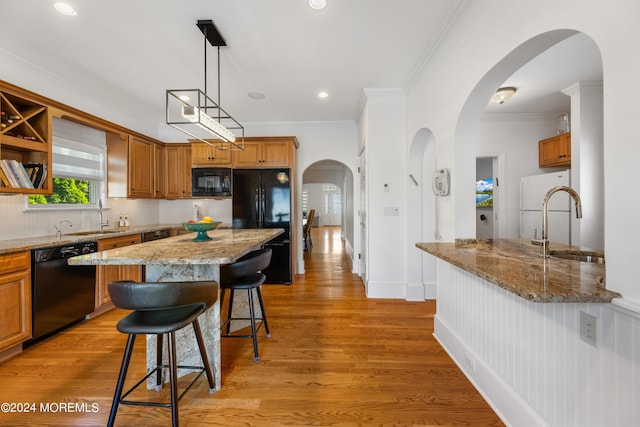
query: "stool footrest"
200, 370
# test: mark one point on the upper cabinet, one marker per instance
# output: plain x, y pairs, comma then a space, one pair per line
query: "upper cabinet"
204, 155
555, 151
266, 152
178, 170
25, 139
132, 163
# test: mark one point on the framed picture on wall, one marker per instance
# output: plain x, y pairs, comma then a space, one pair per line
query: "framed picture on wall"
484, 193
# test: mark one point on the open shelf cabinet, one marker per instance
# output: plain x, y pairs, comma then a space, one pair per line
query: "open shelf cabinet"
25, 134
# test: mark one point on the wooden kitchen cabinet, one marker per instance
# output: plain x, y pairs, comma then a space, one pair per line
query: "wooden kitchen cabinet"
110, 273
265, 152
25, 134
131, 167
555, 151
178, 171
204, 155
159, 171
15, 299
140, 168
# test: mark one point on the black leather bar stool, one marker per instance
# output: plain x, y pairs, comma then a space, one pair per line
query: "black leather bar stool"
245, 274
161, 308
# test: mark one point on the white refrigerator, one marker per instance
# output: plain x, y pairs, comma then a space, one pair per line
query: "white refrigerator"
532, 191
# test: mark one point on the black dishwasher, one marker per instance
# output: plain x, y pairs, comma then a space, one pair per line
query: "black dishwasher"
62, 294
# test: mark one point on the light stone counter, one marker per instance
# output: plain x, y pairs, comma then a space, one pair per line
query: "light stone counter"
179, 258
515, 265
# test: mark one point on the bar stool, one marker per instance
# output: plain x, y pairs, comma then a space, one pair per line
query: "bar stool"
161, 308
245, 274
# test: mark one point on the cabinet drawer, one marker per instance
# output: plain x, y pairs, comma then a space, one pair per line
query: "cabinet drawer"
119, 242
14, 262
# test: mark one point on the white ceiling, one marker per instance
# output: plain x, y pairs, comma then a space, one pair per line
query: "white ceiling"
127, 53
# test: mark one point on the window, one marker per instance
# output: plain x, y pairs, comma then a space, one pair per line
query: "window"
78, 169
305, 201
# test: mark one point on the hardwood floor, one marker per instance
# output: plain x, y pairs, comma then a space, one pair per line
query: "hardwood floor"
335, 358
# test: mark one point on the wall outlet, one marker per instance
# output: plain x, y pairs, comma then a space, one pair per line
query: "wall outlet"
589, 328
471, 362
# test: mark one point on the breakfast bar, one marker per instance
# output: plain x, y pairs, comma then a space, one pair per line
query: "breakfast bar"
528, 331
180, 258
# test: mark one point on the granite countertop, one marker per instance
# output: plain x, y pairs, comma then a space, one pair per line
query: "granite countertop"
515, 265
28, 243
225, 246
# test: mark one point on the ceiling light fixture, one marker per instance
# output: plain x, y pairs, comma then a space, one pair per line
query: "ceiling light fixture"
503, 94
192, 112
323, 95
318, 4
65, 9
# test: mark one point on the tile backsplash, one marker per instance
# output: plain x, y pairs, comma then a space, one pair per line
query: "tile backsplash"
17, 222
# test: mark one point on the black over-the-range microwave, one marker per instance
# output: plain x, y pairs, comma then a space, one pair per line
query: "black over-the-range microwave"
211, 182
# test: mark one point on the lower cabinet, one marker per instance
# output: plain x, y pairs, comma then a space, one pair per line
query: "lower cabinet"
15, 299
112, 273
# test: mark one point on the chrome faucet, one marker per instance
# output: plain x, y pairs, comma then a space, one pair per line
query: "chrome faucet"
59, 228
544, 241
101, 223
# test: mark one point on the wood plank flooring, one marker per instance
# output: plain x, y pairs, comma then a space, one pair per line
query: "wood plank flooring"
335, 358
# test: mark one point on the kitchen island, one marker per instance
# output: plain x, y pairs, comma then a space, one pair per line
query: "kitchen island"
179, 258
535, 336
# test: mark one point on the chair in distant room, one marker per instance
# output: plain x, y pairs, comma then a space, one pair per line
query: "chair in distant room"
306, 231
246, 274
161, 308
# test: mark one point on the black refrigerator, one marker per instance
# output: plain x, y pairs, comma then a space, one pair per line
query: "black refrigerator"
262, 199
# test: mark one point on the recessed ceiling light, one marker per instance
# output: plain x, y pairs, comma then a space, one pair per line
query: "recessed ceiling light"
184, 98
318, 4
256, 95
65, 9
323, 95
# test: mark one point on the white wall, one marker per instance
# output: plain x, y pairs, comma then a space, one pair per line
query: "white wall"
386, 182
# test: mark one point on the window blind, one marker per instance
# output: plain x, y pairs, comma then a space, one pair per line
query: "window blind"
78, 151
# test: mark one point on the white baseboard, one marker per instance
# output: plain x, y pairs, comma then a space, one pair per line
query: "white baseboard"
406, 291
511, 409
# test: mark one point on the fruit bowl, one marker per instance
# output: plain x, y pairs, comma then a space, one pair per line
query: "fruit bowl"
201, 228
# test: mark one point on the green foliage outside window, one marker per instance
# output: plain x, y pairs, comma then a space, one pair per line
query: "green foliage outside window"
68, 191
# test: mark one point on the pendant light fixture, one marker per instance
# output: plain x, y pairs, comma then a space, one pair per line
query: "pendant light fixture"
194, 113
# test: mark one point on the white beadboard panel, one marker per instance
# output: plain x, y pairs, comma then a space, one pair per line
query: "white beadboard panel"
535, 351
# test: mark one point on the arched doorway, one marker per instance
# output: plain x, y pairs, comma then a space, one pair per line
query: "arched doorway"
327, 187
512, 71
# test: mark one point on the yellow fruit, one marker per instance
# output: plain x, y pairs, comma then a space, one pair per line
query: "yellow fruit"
206, 219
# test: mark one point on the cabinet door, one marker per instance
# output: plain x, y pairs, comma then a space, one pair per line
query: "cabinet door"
15, 299
140, 168
112, 273
555, 151
263, 154
204, 155
158, 171
275, 154
178, 171
249, 157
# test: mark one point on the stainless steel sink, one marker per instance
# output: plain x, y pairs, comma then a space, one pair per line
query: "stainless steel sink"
86, 233
582, 256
